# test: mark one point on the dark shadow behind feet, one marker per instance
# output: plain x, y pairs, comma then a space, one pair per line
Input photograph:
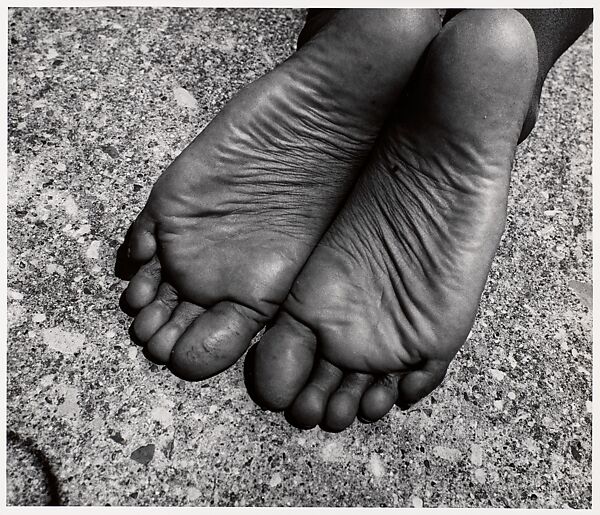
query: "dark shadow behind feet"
124, 268
39, 461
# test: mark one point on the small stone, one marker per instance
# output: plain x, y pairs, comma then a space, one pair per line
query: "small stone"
476, 455
531, 445
163, 415
417, 502
479, 475
499, 404
333, 451
63, 341
213, 409
447, 453
69, 407
132, 352
14, 294
38, 318
53, 268
498, 375
584, 291
143, 454
561, 334
110, 334
275, 480
61, 167
84, 229
184, 98
376, 466
70, 206
110, 151
52, 54
116, 436
512, 396
93, 251
193, 493
47, 380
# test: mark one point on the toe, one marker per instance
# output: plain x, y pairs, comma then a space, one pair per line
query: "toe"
379, 398
343, 404
156, 314
215, 341
142, 244
161, 344
308, 410
138, 247
143, 286
283, 361
417, 384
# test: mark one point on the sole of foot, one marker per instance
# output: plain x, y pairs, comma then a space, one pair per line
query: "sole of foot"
232, 220
390, 294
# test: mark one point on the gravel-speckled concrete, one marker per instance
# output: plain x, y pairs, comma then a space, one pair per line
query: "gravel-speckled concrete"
93, 119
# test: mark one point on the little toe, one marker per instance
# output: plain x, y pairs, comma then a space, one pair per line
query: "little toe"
308, 409
379, 398
343, 404
143, 286
417, 384
283, 361
156, 314
160, 345
215, 341
138, 247
142, 243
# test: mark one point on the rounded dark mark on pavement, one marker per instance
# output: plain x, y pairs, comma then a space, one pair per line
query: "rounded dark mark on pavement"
42, 462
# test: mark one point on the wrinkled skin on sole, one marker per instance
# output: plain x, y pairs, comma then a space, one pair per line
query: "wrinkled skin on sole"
390, 293
232, 220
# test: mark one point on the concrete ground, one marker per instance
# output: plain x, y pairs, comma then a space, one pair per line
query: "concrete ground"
100, 101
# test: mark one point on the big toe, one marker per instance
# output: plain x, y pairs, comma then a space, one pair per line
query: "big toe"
282, 363
214, 341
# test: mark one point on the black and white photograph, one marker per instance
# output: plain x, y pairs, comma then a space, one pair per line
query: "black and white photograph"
298, 256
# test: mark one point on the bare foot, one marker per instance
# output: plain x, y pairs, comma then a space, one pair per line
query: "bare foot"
389, 295
232, 220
